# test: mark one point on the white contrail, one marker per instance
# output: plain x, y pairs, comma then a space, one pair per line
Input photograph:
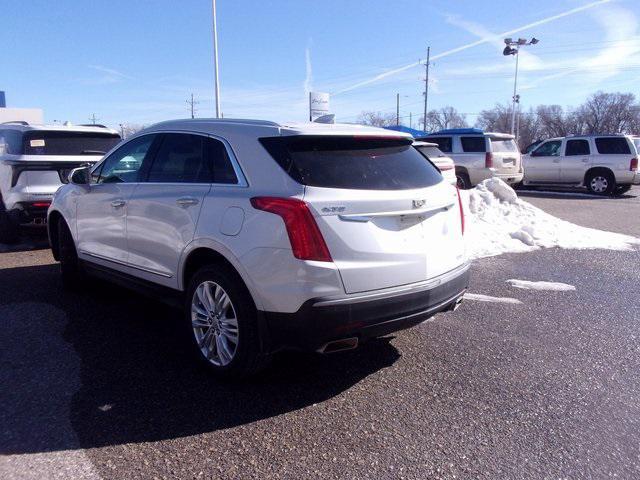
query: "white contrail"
475, 44
308, 79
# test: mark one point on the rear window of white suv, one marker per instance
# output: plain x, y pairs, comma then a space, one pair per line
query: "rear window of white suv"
40, 142
507, 145
360, 163
613, 145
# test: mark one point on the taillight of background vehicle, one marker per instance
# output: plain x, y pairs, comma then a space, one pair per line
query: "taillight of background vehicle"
461, 210
488, 160
306, 239
633, 165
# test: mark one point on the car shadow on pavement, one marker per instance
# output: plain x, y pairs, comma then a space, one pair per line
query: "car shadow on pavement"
137, 383
29, 240
569, 195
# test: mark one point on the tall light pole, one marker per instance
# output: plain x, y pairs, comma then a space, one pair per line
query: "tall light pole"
215, 60
513, 48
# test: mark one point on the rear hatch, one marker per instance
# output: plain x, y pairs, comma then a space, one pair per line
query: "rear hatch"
386, 215
44, 158
505, 155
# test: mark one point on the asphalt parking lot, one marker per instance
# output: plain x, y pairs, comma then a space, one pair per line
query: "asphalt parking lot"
95, 384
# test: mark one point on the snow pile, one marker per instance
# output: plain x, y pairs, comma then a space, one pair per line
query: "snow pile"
497, 221
551, 286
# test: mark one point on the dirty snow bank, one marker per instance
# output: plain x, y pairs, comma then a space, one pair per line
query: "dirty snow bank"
497, 222
551, 286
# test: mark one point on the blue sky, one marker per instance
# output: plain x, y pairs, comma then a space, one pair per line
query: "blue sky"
138, 61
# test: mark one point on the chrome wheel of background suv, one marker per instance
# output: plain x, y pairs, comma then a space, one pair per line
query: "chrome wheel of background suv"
214, 323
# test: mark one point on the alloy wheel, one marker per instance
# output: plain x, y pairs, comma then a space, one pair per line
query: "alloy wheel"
214, 323
599, 184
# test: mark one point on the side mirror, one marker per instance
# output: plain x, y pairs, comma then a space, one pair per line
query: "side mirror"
80, 176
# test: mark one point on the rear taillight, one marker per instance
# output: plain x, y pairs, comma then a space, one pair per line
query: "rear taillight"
488, 160
306, 240
633, 166
461, 210
41, 204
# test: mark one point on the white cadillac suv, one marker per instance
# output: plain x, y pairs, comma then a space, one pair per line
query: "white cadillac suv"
603, 164
269, 236
479, 155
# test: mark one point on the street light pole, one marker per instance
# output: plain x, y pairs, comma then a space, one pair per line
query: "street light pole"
215, 60
514, 98
510, 50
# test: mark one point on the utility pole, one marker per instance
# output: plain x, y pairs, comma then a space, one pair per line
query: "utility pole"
397, 109
426, 88
93, 118
215, 60
122, 130
192, 104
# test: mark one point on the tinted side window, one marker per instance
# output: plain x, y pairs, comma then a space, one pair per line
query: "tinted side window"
548, 149
10, 142
123, 165
473, 144
222, 167
180, 159
577, 147
443, 142
613, 145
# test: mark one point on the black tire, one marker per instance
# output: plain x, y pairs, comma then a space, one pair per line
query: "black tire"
622, 189
8, 228
248, 357
70, 269
462, 180
601, 182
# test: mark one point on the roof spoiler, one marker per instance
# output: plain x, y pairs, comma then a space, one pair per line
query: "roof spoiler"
15, 122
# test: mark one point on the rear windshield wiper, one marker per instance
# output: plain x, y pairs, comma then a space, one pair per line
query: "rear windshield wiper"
92, 152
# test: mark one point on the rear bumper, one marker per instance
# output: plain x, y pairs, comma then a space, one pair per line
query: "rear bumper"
323, 320
479, 175
30, 213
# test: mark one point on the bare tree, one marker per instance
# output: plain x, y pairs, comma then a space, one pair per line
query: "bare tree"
128, 129
496, 119
609, 113
443, 118
376, 119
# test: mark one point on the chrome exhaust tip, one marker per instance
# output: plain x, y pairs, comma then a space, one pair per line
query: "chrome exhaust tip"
339, 345
455, 305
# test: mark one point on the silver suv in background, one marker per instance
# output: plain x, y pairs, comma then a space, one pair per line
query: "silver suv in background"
479, 155
268, 235
604, 164
35, 161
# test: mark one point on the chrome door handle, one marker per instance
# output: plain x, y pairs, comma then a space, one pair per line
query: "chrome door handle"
187, 201
118, 203
585, 160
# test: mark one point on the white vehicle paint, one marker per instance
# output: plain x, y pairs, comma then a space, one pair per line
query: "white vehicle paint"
34, 163
480, 155
603, 164
337, 232
444, 163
